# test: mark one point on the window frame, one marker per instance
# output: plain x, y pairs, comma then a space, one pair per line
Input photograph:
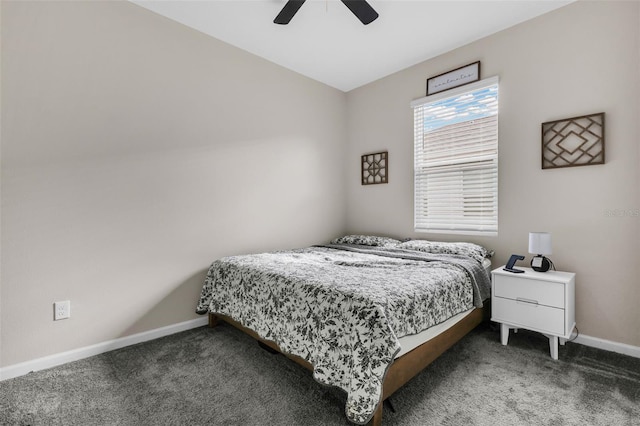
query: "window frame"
478, 224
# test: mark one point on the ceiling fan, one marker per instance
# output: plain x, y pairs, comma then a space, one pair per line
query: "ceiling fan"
363, 11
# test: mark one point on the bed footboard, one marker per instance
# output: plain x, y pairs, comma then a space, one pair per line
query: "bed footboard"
213, 320
403, 368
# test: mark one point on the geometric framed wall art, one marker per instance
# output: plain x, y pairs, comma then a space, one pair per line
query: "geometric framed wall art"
576, 141
375, 168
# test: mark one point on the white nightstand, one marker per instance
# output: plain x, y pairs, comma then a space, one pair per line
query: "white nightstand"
537, 301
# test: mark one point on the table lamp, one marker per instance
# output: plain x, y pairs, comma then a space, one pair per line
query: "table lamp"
540, 245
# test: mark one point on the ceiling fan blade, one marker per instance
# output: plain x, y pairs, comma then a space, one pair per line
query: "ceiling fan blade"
362, 10
288, 11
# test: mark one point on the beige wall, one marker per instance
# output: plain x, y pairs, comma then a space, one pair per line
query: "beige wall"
0, 189
135, 151
583, 58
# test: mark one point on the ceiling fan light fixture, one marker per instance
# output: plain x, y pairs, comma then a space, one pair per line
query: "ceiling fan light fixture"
288, 12
363, 11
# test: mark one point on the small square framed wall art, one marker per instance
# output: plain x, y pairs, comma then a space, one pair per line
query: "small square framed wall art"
375, 168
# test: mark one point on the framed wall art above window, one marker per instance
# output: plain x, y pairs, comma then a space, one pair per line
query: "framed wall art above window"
454, 78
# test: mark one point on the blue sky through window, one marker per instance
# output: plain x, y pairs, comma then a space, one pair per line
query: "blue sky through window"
465, 107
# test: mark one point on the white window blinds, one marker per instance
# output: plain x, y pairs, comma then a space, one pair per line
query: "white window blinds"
456, 160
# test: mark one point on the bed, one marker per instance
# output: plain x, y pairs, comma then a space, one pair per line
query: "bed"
363, 313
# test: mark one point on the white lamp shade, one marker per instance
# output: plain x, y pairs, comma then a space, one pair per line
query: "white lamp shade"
540, 243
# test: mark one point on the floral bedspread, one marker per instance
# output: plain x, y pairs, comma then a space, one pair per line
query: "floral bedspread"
343, 307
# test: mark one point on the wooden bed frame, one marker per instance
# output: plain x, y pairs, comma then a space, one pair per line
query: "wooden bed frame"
403, 368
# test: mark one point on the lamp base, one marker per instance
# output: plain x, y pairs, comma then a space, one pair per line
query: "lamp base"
540, 264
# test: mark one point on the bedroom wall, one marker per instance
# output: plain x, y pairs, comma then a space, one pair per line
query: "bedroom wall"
580, 59
0, 191
135, 151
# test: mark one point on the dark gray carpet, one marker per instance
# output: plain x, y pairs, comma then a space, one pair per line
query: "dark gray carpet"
222, 377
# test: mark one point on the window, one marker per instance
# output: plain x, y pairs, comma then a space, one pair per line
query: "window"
456, 160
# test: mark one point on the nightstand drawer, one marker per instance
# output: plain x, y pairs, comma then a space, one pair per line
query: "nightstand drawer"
542, 292
528, 315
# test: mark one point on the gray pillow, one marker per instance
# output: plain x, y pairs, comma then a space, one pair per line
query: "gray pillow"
472, 250
366, 240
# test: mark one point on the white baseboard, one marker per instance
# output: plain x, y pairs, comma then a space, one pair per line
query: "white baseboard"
23, 368
608, 345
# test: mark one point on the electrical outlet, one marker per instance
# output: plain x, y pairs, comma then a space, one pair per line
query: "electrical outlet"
61, 310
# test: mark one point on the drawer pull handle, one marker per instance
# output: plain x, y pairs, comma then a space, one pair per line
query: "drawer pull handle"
528, 301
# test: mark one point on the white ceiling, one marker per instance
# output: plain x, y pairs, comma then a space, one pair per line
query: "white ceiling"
326, 42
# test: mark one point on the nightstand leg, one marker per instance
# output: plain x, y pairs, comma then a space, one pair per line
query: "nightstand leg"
504, 333
553, 346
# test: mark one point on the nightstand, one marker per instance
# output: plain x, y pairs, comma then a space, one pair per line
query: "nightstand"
537, 301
